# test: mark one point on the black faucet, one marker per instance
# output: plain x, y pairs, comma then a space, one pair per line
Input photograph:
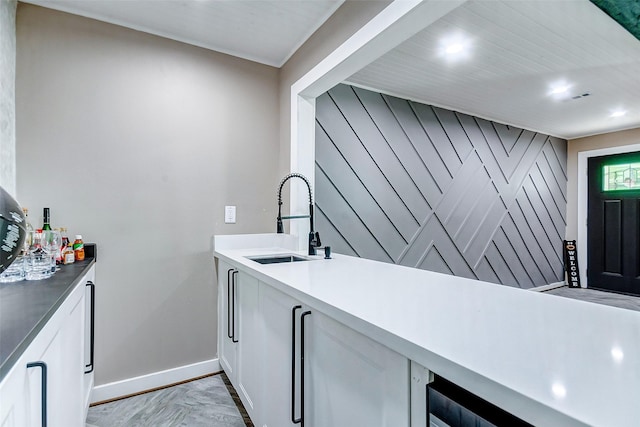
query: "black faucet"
314, 236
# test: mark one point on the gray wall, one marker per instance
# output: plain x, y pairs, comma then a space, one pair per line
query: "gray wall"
7, 95
416, 185
137, 143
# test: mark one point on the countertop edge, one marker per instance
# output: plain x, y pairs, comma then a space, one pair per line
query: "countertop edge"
11, 360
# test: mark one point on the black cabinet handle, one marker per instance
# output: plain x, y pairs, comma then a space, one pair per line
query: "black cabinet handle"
299, 420
92, 327
43, 388
293, 365
233, 307
229, 302
305, 314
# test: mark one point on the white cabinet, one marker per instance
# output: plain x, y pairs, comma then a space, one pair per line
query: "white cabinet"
88, 336
227, 347
49, 377
349, 379
276, 313
14, 405
239, 337
248, 335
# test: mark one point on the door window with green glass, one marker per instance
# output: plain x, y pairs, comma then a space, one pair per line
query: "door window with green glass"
621, 176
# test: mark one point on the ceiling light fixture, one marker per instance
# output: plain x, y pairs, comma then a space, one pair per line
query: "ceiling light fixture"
454, 47
617, 354
558, 90
558, 390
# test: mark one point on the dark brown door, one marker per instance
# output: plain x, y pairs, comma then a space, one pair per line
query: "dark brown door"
614, 223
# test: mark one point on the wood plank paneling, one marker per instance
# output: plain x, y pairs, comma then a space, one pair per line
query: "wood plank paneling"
425, 187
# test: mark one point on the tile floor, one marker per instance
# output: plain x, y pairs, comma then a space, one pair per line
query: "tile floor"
206, 402
591, 295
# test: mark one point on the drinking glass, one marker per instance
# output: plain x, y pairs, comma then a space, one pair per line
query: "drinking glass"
15, 272
51, 242
37, 260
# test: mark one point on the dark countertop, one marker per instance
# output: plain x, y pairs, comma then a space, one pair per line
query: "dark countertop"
26, 306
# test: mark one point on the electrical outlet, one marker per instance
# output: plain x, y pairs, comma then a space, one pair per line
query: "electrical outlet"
229, 214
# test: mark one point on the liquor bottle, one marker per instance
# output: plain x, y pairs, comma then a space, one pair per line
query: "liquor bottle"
65, 239
68, 256
28, 225
29, 228
59, 249
45, 215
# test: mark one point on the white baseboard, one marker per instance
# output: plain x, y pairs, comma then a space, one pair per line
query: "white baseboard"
143, 383
548, 287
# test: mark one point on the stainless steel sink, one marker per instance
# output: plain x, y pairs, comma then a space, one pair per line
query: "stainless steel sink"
277, 259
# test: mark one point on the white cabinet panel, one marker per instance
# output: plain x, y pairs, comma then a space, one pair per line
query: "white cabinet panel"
14, 408
249, 341
352, 380
87, 344
227, 348
239, 334
275, 308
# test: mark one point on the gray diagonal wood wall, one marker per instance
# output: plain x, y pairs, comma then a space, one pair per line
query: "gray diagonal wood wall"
411, 184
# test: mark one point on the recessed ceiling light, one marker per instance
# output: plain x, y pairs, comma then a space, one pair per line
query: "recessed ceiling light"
559, 89
618, 113
617, 354
558, 390
455, 47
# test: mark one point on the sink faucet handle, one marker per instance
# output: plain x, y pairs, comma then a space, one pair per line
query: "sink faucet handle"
317, 240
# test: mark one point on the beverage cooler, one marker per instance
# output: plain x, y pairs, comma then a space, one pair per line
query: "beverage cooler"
451, 406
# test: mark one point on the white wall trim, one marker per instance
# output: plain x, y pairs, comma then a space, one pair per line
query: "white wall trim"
583, 159
393, 25
143, 383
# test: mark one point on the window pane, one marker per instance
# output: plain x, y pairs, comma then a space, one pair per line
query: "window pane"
618, 177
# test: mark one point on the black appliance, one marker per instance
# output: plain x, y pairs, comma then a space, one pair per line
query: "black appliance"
12, 229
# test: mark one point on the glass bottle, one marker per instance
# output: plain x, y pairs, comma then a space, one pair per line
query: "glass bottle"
78, 248
45, 215
29, 228
68, 256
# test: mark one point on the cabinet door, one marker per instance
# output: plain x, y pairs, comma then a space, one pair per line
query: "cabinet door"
71, 386
59, 345
352, 380
13, 397
227, 348
63, 355
248, 335
88, 330
275, 308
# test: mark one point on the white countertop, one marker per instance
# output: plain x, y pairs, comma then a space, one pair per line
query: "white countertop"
549, 360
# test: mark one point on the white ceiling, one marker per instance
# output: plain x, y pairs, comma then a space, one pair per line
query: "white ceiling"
518, 50
265, 31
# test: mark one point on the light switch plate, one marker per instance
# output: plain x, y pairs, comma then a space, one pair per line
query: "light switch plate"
229, 214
